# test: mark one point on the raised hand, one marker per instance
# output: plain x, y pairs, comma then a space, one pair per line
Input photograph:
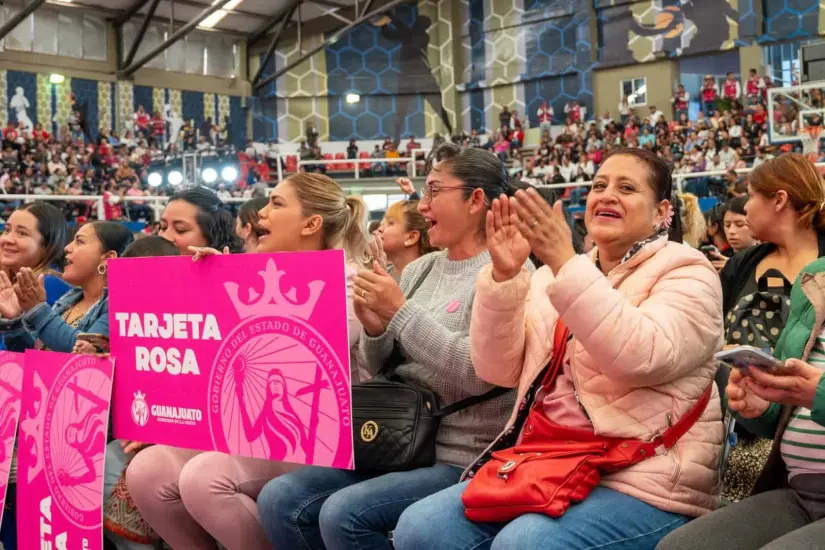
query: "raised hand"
740, 397
377, 253
9, 306
544, 228
376, 299
508, 249
29, 288
406, 185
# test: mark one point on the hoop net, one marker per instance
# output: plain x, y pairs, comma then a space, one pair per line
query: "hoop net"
810, 141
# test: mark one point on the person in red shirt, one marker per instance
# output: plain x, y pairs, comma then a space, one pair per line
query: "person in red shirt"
754, 87
159, 129
710, 91
142, 121
112, 202
39, 134
545, 117
731, 89
680, 102
10, 135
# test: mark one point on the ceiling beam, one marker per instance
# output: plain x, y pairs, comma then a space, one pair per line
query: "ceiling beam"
147, 18
19, 17
234, 11
330, 39
176, 36
329, 4
264, 29
131, 12
270, 51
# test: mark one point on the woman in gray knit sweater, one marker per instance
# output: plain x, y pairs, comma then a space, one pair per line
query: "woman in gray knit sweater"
315, 507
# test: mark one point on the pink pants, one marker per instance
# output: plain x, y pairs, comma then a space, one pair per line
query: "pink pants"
192, 498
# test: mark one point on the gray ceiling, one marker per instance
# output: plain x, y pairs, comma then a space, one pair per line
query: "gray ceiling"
248, 17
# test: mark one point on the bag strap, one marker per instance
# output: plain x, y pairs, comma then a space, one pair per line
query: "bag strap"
470, 401
659, 444
561, 336
762, 282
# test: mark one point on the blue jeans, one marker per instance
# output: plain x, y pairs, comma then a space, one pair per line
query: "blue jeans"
315, 508
709, 106
606, 519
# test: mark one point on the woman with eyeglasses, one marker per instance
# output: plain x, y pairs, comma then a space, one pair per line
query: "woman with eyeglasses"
428, 316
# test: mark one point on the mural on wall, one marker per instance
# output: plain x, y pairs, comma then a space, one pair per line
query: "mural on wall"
531, 51
792, 19
645, 30
414, 64
400, 65
94, 104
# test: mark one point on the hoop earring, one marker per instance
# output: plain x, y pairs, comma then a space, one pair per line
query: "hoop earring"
101, 269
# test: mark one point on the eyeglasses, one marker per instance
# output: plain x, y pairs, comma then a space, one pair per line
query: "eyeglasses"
429, 191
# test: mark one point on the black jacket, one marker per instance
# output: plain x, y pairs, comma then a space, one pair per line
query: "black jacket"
741, 268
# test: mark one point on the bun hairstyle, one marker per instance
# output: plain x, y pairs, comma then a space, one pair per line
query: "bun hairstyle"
407, 213
344, 217
476, 168
113, 237
660, 179
150, 246
799, 178
215, 222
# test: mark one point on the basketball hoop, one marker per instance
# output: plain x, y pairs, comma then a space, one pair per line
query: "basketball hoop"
810, 141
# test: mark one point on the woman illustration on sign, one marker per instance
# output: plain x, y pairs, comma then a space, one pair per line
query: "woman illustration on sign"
281, 427
87, 436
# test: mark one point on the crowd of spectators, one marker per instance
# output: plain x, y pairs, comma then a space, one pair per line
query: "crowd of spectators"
34, 161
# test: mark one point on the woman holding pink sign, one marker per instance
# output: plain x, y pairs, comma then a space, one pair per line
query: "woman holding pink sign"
192, 498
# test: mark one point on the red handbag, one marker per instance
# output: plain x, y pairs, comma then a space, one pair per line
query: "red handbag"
554, 466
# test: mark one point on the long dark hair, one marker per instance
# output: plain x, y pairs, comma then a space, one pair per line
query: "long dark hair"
475, 168
215, 222
660, 179
51, 224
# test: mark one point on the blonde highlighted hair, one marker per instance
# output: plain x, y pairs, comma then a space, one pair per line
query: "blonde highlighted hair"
799, 178
344, 217
406, 212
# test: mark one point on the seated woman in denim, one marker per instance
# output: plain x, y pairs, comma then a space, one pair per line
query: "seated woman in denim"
34, 237
83, 309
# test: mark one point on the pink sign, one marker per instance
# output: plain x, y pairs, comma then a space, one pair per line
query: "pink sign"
11, 387
245, 354
61, 450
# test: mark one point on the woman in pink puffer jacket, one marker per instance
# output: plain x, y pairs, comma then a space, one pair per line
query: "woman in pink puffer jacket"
646, 318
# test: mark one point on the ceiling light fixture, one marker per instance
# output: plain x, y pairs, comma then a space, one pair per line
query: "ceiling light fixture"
215, 18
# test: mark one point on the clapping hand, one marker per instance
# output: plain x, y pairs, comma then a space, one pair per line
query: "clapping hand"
377, 298
9, 306
376, 248
543, 227
508, 249
29, 288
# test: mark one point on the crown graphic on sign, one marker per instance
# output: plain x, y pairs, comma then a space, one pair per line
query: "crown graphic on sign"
273, 301
140, 396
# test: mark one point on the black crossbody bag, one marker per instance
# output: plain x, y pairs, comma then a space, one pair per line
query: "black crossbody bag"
395, 422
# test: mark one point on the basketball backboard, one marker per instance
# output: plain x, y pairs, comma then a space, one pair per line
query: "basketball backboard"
792, 109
